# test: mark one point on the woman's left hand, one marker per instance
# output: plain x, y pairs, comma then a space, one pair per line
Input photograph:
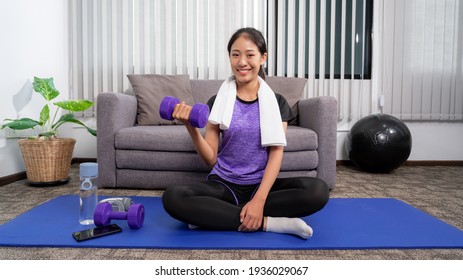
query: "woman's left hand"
252, 215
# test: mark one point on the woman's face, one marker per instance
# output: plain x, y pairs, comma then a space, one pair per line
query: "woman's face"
245, 59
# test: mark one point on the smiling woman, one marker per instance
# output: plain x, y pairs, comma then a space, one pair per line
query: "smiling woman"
242, 191
246, 60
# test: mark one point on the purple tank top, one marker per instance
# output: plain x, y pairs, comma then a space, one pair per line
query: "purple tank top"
241, 158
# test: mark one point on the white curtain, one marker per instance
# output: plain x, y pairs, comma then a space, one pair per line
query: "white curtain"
112, 38
421, 59
416, 61
306, 38
190, 36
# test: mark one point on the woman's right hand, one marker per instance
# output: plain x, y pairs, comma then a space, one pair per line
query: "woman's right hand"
182, 113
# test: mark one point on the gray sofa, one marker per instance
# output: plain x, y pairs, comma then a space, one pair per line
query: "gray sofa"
156, 156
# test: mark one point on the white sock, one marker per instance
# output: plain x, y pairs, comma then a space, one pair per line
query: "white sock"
294, 226
190, 226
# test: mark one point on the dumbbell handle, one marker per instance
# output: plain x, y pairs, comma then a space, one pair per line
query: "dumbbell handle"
118, 215
199, 113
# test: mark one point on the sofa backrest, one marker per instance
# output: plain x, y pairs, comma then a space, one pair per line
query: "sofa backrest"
202, 90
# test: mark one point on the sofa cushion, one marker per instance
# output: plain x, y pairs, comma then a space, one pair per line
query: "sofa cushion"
175, 138
300, 139
301, 160
191, 162
149, 179
160, 160
150, 89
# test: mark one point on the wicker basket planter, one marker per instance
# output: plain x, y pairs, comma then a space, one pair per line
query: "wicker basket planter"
48, 161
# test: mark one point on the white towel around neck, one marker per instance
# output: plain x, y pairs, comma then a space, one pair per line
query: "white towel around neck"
271, 127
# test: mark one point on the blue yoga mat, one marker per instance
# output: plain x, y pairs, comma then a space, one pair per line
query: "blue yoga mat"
345, 223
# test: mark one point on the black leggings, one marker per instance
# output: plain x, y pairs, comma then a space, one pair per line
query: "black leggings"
216, 204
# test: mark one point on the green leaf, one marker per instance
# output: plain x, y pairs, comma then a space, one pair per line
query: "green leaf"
69, 118
74, 105
45, 114
91, 130
45, 87
64, 118
21, 124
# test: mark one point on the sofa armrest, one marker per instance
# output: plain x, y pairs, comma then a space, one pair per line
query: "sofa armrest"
320, 115
114, 112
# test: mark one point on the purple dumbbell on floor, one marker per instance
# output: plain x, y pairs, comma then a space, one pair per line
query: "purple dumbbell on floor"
198, 116
104, 214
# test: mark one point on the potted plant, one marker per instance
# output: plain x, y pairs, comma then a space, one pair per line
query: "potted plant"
47, 157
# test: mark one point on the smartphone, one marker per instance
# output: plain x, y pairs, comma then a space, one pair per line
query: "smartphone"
96, 232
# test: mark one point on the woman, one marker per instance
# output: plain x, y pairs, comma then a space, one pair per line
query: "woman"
242, 192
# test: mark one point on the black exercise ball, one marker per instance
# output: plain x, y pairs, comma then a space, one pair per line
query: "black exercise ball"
379, 143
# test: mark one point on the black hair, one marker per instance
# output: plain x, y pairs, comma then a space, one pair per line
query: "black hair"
256, 37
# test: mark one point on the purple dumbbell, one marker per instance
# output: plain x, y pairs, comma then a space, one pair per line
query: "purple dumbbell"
198, 116
104, 214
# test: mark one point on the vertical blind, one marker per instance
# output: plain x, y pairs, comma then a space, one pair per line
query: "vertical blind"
112, 38
421, 54
415, 64
328, 42
190, 36
322, 40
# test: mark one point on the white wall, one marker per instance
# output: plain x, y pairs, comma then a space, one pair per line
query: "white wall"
436, 141
34, 42
431, 141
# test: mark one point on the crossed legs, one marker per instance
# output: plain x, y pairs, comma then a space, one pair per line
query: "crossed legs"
213, 205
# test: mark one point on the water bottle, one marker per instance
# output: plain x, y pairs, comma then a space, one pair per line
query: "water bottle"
88, 192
